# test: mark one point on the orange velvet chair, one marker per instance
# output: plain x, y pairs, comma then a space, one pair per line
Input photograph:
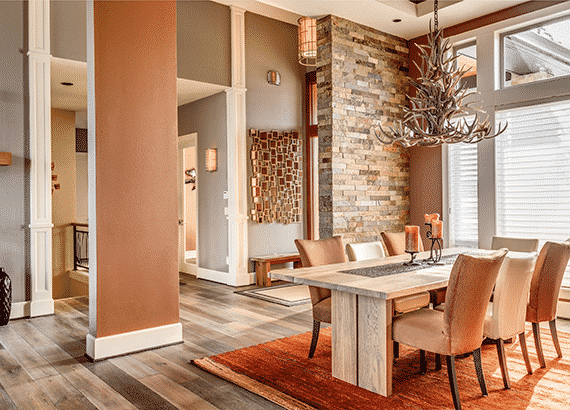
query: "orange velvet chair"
395, 243
459, 328
316, 253
544, 292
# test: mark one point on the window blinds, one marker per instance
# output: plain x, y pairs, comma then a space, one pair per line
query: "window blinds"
462, 182
532, 162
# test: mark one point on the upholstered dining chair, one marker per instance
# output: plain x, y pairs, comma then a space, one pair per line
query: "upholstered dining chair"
396, 243
316, 253
544, 291
506, 313
459, 328
514, 244
403, 304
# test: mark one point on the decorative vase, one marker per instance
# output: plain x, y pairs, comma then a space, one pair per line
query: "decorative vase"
5, 297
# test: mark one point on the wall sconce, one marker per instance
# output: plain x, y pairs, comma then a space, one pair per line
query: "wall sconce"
308, 41
211, 159
273, 77
5, 158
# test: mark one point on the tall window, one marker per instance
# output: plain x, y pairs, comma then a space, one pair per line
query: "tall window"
462, 186
533, 172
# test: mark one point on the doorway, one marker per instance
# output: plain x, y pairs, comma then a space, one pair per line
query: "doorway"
188, 204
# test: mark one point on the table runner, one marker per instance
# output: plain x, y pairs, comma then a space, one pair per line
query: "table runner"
394, 268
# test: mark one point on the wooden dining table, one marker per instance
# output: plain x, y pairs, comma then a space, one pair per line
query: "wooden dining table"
362, 347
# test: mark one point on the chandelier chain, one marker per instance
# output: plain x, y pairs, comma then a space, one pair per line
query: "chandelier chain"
435, 17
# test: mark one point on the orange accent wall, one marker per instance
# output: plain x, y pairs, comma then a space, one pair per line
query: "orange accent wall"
136, 132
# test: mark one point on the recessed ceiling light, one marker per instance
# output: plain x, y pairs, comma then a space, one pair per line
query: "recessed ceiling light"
66, 84
396, 20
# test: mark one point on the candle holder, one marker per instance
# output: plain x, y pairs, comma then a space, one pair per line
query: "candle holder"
412, 262
435, 249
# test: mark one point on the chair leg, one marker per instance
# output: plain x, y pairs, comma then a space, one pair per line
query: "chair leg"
316, 330
479, 370
453, 381
522, 339
554, 334
437, 362
503, 363
396, 350
538, 344
423, 362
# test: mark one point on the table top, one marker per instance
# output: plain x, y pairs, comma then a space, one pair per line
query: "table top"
425, 277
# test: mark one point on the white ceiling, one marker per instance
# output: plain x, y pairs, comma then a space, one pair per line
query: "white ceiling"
378, 14
74, 98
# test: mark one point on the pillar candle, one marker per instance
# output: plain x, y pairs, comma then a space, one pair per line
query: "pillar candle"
437, 229
429, 218
412, 235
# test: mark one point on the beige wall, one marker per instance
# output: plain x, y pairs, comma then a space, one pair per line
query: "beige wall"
136, 166
190, 201
63, 199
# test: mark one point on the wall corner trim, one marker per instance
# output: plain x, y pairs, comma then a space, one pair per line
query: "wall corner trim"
99, 348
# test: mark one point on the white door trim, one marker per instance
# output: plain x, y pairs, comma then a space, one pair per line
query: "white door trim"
40, 158
186, 141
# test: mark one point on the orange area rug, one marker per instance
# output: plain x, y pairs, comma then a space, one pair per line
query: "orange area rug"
281, 372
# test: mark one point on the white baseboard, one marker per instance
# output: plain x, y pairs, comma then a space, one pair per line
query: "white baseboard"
99, 348
41, 307
225, 277
20, 310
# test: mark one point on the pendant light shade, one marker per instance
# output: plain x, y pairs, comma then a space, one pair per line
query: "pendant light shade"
308, 41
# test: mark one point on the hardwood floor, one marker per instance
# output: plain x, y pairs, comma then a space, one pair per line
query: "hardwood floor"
42, 362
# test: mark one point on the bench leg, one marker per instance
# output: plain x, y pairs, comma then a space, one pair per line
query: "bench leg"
261, 269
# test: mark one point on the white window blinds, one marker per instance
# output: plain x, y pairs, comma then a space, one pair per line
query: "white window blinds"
462, 182
533, 172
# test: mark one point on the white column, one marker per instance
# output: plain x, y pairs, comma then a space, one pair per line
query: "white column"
40, 158
237, 156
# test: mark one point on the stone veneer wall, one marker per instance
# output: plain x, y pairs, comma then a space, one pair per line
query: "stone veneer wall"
361, 80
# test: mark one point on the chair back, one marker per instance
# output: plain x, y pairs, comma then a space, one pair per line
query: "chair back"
515, 244
364, 251
546, 280
320, 252
396, 243
468, 291
511, 296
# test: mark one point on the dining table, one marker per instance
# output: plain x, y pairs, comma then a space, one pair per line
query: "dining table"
361, 308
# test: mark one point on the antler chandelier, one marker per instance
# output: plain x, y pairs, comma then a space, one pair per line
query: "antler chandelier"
439, 98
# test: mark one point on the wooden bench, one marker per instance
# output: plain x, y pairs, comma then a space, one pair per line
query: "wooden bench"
263, 265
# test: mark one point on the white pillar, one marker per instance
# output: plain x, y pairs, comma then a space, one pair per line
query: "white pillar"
40, 158
237, 156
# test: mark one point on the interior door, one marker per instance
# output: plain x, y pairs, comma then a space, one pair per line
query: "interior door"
184, 264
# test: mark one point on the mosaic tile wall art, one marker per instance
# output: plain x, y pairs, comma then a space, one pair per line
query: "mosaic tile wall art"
276, 179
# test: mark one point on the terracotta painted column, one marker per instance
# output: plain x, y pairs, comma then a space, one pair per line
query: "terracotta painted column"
133, 208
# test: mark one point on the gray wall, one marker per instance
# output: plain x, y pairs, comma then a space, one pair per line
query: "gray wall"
272, 45
14, 179
68, 33
207, 117
204, 42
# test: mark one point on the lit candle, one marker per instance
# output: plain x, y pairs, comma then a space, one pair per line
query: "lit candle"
412, 235
429, 218
437, 229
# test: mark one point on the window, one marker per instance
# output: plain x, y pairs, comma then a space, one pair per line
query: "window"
467, 58
532, 161
536, 53
311, 157
462, 186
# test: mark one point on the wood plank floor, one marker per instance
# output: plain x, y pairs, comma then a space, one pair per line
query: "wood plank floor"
42, 362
